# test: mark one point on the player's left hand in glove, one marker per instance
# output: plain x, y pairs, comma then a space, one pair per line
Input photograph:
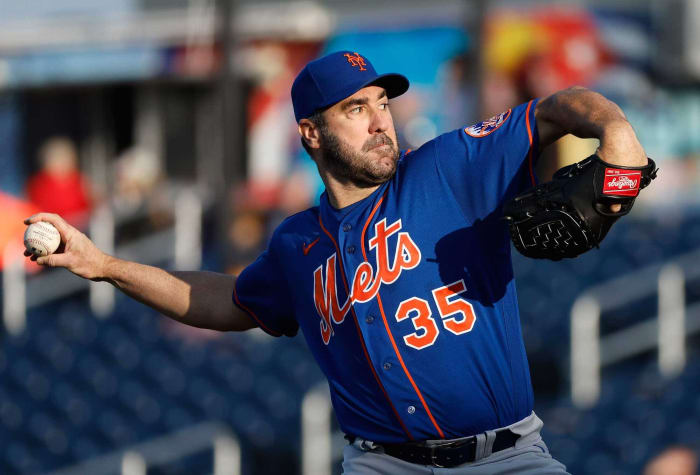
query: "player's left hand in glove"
571, 214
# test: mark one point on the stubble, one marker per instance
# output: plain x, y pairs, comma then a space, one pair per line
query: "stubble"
372, 166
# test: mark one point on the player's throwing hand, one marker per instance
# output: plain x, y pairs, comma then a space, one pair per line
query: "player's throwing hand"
76, 252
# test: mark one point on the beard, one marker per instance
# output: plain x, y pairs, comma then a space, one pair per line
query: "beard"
365, 169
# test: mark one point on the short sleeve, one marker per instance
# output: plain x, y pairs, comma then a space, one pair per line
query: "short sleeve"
262, 292
490, 162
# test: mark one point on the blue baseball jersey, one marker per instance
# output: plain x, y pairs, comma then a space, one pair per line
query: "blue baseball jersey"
407, 298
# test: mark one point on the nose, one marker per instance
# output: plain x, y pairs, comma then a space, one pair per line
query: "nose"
381, 121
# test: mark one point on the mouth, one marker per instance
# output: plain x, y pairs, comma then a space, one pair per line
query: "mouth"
380, 146
382, 141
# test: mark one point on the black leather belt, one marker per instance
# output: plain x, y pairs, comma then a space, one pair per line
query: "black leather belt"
445, 454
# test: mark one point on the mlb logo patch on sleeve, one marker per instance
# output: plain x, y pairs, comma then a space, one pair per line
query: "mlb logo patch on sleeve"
482, 129
621, 182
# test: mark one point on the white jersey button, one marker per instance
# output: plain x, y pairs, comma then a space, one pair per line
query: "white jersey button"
347, 227
387, 366
369, 318
411, 409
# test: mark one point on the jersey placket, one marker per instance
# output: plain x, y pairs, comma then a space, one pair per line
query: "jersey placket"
375, 325
344, 262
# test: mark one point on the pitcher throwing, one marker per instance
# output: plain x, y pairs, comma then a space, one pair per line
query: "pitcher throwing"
401, 279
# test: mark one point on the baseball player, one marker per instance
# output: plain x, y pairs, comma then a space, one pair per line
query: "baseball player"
401, 279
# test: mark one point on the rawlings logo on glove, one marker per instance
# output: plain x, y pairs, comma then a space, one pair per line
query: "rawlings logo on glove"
617, 182
571, 214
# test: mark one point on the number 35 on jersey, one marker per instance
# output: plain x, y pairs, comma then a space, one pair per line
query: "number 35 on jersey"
456, 314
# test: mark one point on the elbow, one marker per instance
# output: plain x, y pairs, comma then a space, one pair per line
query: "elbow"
577, 89
571, 93
217, 319
234, 320
588, 96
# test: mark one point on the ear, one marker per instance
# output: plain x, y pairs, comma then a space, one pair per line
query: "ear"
309, 133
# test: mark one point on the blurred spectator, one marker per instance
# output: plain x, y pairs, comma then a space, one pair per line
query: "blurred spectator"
59, 187
673, 461
295, 195
142, 195
247, 237
137, 173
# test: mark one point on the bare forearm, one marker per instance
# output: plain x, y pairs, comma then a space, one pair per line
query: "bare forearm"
587, 114
200, 299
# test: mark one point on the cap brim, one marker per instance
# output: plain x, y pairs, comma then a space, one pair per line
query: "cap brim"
394, 84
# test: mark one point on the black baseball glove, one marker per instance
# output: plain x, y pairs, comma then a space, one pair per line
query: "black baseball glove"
571, 214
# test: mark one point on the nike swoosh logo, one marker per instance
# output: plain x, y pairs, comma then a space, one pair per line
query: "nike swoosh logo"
306, 248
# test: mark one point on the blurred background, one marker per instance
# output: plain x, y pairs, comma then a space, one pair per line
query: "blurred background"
164, 129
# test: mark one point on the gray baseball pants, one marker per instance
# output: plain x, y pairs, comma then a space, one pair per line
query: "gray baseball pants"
530, 456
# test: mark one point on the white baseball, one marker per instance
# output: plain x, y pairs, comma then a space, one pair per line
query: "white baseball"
42, 238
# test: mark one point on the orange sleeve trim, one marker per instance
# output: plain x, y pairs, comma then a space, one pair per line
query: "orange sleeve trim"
357, 325
252, 314
529, 137
391, 337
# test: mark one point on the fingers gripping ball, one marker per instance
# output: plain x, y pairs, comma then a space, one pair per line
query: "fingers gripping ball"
41, 239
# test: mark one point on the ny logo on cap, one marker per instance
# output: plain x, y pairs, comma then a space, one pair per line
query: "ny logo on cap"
356, 61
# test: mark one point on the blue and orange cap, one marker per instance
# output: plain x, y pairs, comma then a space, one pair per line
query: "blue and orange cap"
331, 78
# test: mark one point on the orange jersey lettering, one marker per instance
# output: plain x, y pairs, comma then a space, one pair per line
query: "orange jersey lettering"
366, 283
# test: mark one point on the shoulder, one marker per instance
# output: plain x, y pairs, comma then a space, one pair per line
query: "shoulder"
509, 125
294, 229
504, 131
412, 157
497, 128
298, 223
444, 144
425, 161
488, 126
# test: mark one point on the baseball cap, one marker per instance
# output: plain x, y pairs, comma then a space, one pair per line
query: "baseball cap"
333, 77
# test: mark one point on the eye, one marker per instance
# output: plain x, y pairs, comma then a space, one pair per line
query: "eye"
384, 106
356, 110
